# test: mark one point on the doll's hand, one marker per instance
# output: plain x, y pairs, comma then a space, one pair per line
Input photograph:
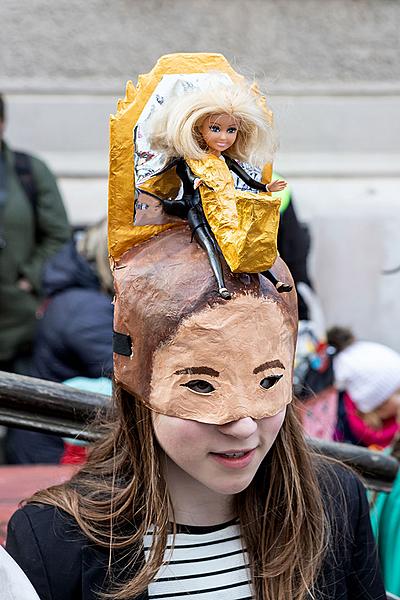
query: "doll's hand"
197, 182
276, 186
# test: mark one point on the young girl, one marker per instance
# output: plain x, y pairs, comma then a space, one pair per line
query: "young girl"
368, 376
204, 132
201, 486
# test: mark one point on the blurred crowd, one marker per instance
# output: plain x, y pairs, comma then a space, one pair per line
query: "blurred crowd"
56, 323
56, 318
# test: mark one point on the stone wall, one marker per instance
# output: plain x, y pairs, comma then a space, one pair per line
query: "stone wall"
332, 74
283, 40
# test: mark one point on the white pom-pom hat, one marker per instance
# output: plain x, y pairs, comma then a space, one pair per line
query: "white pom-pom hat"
369, 372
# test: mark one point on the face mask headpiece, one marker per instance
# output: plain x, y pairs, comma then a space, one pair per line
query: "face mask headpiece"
178, 346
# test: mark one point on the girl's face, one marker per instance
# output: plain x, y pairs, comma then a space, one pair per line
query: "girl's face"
219, 393
219, 132
222, 459
390, 408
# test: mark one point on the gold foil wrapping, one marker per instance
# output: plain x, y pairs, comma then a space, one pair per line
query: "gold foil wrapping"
123, 234
244, 224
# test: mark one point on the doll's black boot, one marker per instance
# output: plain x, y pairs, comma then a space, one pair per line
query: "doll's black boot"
280, 286
283, 287
224, 293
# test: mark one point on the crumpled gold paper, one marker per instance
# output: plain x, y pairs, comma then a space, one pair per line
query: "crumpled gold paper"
122, 233
245, 224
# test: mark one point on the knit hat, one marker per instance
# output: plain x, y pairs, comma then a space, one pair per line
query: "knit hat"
369, 372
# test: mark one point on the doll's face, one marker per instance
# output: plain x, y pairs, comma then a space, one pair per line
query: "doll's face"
226, 363
219, 132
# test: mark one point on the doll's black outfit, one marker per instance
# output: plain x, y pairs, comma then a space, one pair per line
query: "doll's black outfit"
190, 207
63, 564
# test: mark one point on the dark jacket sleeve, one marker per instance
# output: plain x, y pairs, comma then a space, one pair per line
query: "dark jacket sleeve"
240, 172
351, 570
52, 222
293, 247
51, 561
294, 244
364, 580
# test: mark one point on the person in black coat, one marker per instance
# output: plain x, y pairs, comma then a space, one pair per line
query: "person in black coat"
74, 335
294, 246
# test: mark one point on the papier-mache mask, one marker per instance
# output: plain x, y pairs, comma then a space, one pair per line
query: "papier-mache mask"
191, 354
179, 347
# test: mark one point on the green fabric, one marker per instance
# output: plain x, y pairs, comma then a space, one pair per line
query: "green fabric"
385, 519
23, 256
285, 196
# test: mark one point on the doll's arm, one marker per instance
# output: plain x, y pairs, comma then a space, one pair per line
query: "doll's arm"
244, 176
274, 186
177, 208
187, 176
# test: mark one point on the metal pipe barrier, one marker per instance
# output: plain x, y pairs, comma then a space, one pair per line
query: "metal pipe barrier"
39, 405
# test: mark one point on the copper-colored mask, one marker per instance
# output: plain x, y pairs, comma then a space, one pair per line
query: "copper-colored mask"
194, 355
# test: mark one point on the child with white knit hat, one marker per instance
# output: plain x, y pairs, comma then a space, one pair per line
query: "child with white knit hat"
369, 374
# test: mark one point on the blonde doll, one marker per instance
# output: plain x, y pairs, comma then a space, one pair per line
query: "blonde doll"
205, 133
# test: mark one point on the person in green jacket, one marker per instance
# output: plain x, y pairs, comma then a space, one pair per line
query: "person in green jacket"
33, 225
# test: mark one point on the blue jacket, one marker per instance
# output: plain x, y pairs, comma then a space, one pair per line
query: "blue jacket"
74, 337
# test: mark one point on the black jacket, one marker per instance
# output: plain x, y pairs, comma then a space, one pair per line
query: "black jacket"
74, 337
63, 565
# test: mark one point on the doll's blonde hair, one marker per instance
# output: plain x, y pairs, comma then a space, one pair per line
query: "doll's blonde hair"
174, 129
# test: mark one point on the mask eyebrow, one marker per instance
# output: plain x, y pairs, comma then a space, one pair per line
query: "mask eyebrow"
197, 371
269, 364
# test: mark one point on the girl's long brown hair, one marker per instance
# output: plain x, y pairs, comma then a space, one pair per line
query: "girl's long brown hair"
120, 493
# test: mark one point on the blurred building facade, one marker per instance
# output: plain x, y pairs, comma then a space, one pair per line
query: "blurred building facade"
332, 75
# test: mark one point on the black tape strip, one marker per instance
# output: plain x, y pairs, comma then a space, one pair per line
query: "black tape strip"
122, 344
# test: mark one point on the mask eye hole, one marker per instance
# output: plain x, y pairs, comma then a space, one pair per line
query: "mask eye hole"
269, 382
200, 386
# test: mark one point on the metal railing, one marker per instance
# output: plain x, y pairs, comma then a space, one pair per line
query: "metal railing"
39, 405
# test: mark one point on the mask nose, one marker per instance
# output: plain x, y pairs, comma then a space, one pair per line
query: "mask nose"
240, 429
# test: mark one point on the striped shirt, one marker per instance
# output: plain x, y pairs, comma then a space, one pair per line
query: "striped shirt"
207, 563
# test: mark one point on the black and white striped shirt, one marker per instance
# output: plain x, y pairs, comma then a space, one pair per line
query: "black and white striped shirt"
207, 563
